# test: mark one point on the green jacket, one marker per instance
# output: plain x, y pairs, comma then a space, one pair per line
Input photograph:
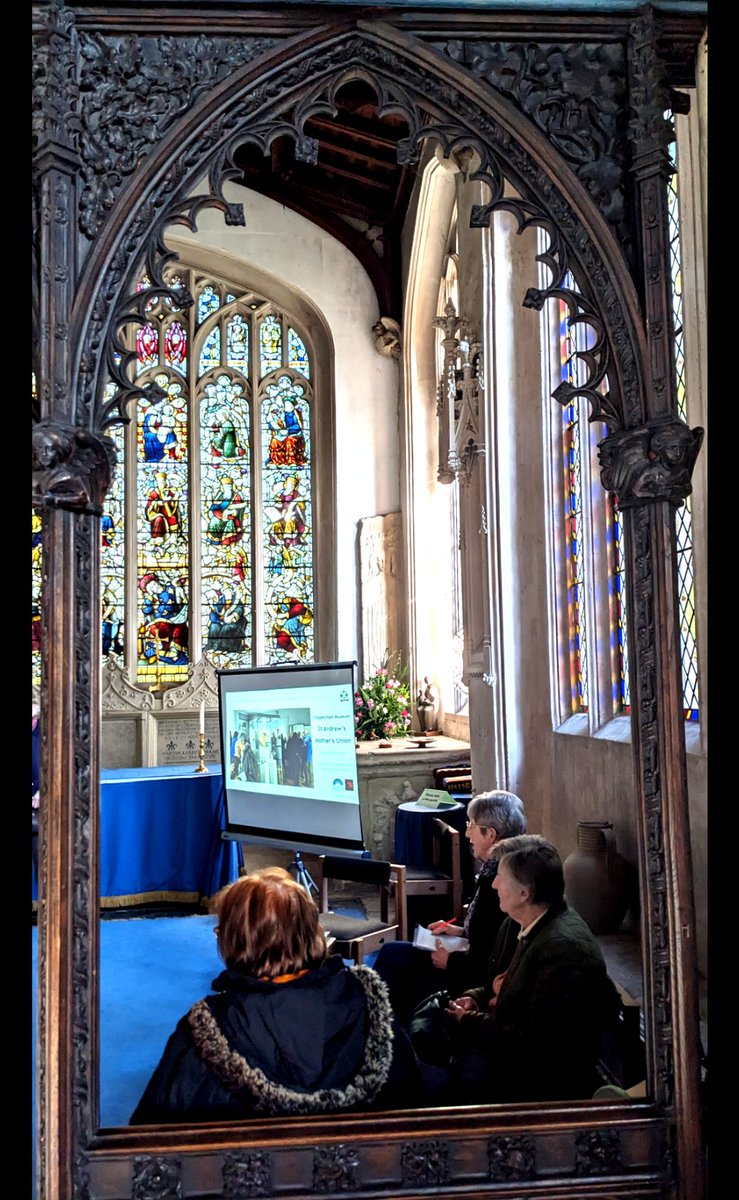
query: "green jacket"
544, 1037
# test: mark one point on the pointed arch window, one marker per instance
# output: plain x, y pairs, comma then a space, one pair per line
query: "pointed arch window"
214, 491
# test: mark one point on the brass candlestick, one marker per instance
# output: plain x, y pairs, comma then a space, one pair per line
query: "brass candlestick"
201, 755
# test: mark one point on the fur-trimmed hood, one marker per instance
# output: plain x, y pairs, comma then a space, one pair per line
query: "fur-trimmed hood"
306, 1033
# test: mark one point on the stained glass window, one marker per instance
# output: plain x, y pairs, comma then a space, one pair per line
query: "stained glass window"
573, 514
223, 466
287, 523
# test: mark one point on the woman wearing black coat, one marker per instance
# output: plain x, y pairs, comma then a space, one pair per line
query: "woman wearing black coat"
290, 1030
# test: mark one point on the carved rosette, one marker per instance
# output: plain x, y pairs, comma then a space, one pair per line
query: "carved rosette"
335, 1169
511, 1158
247, 1174
652, 463
156, 1179
72, 467
598, 1152
424, 1164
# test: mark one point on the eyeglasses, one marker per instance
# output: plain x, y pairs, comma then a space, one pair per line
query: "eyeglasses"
482, 828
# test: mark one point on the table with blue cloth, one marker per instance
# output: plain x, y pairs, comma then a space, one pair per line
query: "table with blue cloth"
160, 836
414, 837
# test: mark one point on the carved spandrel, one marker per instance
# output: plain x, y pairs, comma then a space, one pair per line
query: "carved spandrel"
132, 90
575, 94
654, 462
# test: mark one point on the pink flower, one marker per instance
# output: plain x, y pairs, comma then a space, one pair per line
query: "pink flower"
370, 704
359, 701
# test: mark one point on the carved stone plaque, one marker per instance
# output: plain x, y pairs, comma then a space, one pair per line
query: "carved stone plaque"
178, 739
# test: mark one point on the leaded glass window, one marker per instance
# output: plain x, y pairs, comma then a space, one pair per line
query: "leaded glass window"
214, 489
683, 518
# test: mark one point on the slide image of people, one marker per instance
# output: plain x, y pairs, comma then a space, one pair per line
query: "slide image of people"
273, 748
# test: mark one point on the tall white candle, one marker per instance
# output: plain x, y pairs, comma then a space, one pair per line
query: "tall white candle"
202, 716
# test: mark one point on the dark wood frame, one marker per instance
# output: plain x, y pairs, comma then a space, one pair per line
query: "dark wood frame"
107, 185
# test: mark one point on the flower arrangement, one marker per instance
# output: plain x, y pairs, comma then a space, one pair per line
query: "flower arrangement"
382, 706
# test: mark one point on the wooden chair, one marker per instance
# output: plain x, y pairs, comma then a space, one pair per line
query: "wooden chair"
356, 937
442, 878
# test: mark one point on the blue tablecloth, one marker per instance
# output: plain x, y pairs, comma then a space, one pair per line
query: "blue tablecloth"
414, 838
160, 836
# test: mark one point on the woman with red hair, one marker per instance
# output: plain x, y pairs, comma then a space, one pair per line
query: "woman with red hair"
290, 1030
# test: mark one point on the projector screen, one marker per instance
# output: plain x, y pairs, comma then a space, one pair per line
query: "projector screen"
289, 756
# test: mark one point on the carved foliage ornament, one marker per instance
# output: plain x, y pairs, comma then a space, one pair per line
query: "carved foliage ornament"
156, 1179
132, 90
54, 75
575, 94
335, 1169
512, 1158
424, 1163
459, 398
247, 1174
654, 462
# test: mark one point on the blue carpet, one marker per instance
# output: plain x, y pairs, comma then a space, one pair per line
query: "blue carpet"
151, 971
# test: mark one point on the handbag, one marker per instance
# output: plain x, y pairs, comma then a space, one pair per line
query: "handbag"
430, 1029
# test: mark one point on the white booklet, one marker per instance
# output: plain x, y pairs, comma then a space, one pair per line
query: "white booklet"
427, 940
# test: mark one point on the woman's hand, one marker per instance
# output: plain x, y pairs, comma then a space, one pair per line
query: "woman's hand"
442, 927
459, 1008
440, 956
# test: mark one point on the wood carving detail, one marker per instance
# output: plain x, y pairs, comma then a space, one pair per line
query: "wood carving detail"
512, 1158
598, 1152
247, 1174
73, 467
652, 463
132, 90
656, 882
335, 1169
156, 1179
54, 74
424, 1164
575, 94
649, 95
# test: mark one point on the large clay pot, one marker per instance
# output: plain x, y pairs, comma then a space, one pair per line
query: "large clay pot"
598, 880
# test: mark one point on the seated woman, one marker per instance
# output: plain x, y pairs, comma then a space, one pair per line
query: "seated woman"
290, 1030
411, 973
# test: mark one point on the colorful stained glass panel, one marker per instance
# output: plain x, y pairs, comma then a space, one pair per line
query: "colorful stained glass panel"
175, 347
147, 347
237, 344
162, 425
112, 556
210, 355
208, 302
297, 355
270, 345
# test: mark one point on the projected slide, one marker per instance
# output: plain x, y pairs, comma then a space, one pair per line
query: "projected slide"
289, 755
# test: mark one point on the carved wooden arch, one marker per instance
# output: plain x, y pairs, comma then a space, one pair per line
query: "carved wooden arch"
574, 1148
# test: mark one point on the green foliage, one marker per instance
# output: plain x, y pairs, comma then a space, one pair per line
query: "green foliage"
382, 706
